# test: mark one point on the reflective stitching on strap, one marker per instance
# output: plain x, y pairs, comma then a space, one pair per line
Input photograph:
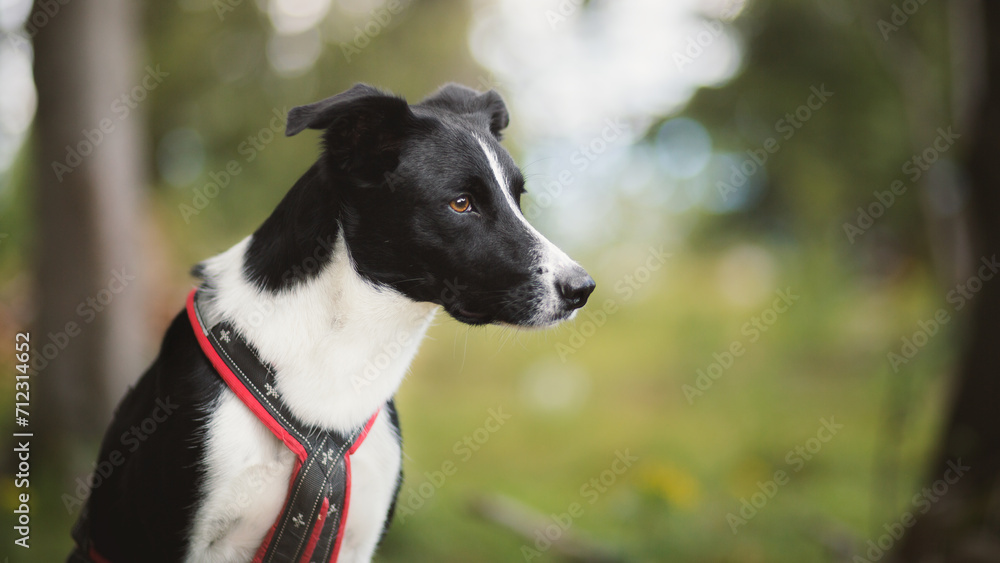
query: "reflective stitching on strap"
326, 479
260, 396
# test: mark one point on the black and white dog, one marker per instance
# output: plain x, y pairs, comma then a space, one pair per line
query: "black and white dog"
410, 208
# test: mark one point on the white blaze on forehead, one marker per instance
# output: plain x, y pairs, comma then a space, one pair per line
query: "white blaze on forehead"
551, 255
501, 179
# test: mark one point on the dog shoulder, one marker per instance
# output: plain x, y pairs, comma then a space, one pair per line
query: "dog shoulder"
148, 475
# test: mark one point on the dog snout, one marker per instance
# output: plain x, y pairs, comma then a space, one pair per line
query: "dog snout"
575, 286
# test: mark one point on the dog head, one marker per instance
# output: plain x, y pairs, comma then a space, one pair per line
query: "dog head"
429, 204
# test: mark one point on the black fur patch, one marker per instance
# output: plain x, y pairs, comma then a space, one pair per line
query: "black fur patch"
394, 421
143, 510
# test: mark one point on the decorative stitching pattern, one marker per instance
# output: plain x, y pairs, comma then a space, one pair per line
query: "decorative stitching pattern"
298, 488
259, 394
327, 457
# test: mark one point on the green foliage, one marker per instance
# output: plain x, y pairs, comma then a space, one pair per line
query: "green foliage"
854, 144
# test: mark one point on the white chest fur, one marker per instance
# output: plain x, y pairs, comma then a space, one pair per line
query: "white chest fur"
340, 348
247, 480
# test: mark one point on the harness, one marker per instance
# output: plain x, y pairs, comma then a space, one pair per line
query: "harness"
310, 527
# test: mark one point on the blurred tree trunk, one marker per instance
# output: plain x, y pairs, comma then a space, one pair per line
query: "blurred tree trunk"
964, 523
88, 214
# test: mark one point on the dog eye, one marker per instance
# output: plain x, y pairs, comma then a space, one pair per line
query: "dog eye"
461, 204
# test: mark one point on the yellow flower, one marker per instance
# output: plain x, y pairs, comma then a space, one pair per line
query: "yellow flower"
672, 483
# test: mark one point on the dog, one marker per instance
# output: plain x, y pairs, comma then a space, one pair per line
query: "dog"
409, 209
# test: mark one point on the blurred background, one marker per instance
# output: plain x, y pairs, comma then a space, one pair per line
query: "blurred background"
789, 207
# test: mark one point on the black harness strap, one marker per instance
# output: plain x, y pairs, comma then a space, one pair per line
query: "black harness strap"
310, 526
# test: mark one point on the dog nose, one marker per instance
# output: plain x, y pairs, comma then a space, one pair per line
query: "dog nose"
575, 287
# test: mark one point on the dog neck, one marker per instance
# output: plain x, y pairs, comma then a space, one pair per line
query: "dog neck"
340, 345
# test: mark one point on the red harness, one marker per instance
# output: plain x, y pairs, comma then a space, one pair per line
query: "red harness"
319, 496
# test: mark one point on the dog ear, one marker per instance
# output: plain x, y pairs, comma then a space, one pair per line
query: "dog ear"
363, 128
361, 103
466, 101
